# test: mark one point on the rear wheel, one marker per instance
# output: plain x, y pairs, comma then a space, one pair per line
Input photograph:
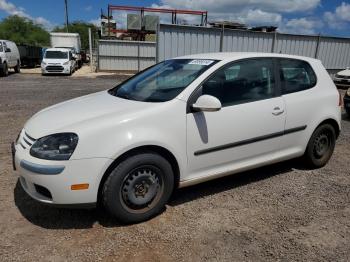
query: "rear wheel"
321, 146
138, 188
18, 67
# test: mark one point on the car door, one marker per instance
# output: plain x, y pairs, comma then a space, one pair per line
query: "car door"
249, 126
10, 56
298, 81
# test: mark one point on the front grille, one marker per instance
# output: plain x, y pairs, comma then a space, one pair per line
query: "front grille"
43, 191
52, 68
342, 77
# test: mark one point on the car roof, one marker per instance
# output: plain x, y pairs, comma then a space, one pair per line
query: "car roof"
4, 40
231, 56
58, 49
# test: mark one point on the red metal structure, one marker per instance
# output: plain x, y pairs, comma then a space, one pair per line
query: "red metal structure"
142, 10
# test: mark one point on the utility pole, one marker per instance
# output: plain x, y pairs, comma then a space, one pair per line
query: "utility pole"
90, 49
66, 13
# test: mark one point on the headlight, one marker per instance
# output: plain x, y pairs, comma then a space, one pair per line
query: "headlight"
336, 75
43, 63
66, 63
55, 147
348, 92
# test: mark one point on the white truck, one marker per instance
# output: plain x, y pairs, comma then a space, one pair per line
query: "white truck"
70, 41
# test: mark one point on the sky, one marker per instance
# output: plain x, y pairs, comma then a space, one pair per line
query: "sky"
325, 17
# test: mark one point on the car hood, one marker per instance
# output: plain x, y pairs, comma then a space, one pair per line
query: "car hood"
66, 116
344, 73
55, 61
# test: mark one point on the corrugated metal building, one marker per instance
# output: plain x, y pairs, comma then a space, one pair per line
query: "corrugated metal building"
177, 40
119, 55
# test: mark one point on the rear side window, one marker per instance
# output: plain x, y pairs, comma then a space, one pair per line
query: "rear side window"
296, 75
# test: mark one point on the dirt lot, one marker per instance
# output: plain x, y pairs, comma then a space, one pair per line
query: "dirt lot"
281, 212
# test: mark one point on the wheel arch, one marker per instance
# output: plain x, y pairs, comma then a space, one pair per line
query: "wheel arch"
333, 123
137, 150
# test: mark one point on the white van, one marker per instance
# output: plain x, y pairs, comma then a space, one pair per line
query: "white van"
9, 57
58, 61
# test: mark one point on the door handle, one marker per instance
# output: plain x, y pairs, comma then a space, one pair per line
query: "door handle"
277, 111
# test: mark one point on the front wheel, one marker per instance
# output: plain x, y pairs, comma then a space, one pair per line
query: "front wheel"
138, 188
348, 112
5, 70
18, 67
321, 146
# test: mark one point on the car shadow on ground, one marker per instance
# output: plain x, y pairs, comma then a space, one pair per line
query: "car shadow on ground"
345, 117
59, 218
230, 182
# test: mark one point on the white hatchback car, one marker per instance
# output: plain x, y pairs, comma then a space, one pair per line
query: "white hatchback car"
178, 123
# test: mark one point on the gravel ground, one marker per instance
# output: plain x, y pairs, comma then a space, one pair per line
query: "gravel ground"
280, 212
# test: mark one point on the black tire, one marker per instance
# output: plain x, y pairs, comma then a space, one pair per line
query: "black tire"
320, 147
347, 112
5, 70
18, 67
138, 188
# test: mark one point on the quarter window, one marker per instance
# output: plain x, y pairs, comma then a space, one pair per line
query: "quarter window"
242, 82
296, 75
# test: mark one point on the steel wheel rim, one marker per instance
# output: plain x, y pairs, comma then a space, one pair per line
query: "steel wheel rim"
322, 144
141, 189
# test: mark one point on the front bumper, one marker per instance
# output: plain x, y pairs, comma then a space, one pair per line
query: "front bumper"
342, 82
50, 181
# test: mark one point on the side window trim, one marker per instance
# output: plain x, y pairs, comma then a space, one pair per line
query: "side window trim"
279, 75
197, 92
278, 82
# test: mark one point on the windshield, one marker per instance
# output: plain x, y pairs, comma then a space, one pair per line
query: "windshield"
163, 81
56, 54
66, 47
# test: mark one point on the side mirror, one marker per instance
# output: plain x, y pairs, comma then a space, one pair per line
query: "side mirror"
207, 103
8, 50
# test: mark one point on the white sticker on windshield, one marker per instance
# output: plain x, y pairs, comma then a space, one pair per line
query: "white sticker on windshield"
201, 62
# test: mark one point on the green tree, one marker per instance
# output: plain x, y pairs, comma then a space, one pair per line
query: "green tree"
23, 31
81, 28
